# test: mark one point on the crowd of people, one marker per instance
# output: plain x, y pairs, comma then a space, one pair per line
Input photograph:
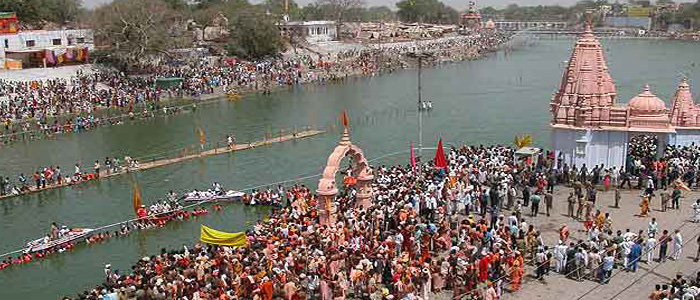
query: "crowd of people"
427, 230
36, 109
156, 218
50, 176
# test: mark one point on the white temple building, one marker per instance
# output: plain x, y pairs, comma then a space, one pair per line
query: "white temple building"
589, 127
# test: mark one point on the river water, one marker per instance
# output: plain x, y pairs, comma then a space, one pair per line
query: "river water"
487, 101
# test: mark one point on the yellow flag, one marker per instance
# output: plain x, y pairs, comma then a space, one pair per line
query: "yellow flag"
202, 137
136, 198
212, 236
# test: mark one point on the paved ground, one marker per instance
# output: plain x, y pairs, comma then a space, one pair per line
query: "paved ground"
44, 73
623, 285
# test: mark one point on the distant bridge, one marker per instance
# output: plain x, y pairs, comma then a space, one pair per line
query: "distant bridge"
525, 25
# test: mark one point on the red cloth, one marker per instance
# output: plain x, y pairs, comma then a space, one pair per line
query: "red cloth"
440, 160
413, 157
483, 268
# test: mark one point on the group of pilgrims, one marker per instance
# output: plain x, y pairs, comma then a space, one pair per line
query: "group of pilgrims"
37, 109
428, 230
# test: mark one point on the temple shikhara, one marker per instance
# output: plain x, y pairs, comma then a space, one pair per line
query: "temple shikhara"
590, 127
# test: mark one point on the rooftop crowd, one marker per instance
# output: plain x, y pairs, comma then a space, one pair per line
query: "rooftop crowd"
41, 108
427, 230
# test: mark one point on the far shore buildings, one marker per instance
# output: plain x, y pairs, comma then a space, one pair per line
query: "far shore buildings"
590, 127
41, 48
312, 31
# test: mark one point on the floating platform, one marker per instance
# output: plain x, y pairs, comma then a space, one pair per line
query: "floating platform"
185, 155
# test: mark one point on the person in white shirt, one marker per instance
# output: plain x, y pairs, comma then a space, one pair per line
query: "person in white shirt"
653, 227
649, 247
626, 250
677, 245
560, 256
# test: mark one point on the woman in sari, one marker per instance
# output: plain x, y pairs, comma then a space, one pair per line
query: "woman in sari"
644, 206
606, 180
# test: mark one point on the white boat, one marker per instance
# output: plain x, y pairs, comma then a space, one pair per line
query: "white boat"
75, 234
197, 196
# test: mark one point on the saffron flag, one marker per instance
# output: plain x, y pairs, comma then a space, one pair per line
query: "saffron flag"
213, 236
413, 157
344, 118
202, 137
681, 185
440, 160
136, 198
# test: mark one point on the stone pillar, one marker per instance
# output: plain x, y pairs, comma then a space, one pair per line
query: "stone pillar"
364, 190
325, 206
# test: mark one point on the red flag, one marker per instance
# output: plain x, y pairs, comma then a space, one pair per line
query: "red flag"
440, 160
344, 118
413, 157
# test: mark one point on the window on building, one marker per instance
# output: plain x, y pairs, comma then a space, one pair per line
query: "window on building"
56, 42
581, 143
81, 40
7, 43
580, 148
31, 43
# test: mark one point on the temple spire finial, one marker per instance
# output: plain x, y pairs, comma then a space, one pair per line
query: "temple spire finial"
345, 139
588, 28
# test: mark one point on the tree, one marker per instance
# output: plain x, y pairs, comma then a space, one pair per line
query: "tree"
62, 11
311, 11
33, 13
339, 11
276, 7
429, 11
254, 35
379, 13
137, 31
177, 5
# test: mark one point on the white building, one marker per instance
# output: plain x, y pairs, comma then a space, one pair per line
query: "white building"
40, 48
589, 126
312, 31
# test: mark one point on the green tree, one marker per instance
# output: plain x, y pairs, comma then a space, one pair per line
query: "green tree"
340, 11
61, 11
276, 7
254, 35
429, 11
33, 13
379, 13
311, 11
137, 31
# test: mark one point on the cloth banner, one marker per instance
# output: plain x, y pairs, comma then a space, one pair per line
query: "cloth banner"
213, 236
440, 159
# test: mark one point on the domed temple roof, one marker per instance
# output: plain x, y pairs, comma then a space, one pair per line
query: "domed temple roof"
646, 111
647, 103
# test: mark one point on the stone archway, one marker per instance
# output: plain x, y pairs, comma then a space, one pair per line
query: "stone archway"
327, 189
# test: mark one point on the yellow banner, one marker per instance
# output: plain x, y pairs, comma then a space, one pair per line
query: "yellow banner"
213, 236
639, 11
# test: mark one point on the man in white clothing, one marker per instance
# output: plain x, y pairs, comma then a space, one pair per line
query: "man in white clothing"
677, 245
626, 250
649, 247
560, 255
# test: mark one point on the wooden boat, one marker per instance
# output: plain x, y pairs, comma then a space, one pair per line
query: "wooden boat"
75, 234
197, 196
233, 95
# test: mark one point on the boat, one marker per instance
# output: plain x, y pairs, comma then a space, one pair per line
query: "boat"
73, 235
197, 196
233, 95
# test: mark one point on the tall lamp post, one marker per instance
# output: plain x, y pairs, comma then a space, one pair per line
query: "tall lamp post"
420, 56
